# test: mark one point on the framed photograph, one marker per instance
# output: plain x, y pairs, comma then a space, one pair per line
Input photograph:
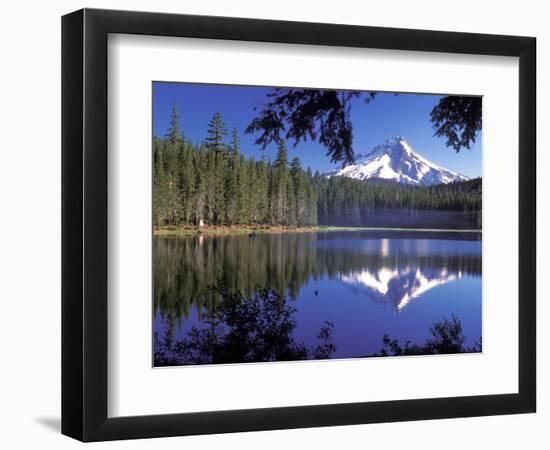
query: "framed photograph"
273, 224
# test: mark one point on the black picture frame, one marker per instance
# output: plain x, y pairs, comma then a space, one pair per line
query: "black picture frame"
84, 224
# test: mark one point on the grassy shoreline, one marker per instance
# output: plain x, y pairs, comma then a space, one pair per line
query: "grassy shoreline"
243, 229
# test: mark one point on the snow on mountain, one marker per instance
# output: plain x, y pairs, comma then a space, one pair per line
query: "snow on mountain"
396, 160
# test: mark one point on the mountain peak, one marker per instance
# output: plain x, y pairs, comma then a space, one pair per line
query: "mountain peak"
397, 147
396, 160
395, 140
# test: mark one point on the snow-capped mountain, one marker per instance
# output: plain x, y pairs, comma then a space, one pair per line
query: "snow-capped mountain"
396, 160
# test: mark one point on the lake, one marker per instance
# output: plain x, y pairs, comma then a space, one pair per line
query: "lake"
364, 284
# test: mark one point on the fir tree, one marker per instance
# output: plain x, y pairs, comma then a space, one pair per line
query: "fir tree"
215, 142
187, 182
299, 180
217, 132
262, 190
279, 186
233, 192
210, 186
159, 184
290, 204
200, 164
174, 130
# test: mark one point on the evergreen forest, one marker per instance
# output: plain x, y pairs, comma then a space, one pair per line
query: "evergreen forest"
214, 182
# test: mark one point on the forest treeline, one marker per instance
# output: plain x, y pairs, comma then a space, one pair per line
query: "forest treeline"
213, 181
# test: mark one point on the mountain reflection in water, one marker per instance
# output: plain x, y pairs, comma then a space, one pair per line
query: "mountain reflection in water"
357, 280
397, 287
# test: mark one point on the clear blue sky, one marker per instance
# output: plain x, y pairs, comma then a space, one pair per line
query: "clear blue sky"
388, 115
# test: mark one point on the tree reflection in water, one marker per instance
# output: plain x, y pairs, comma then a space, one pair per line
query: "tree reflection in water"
184, 268
259, 329
251, 314
240, 329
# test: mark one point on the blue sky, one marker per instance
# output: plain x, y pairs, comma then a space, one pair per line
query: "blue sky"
388, 115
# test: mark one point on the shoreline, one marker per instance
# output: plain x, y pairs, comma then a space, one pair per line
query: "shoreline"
235, 230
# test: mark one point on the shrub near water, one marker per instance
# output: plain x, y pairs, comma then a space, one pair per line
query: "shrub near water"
259, 329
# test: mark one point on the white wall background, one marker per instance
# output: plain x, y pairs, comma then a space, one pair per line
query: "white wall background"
30, 192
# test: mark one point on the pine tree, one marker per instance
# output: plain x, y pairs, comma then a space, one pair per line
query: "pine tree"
159, 184
235, 147
312, 205
249, 207
172, 162
210, 182
312, 197
262, 190
299, 179
243, 207
290, 203
187, 181
174, 130
232, 182
215, 142
279, 187
200, 164
219, 205
217, 132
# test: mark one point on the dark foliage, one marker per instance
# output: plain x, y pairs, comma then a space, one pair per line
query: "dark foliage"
241, 329
309, 113
458, 118
324, 115
259, 329
447, 338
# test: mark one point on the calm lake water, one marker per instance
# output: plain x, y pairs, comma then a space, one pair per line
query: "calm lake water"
366, 283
